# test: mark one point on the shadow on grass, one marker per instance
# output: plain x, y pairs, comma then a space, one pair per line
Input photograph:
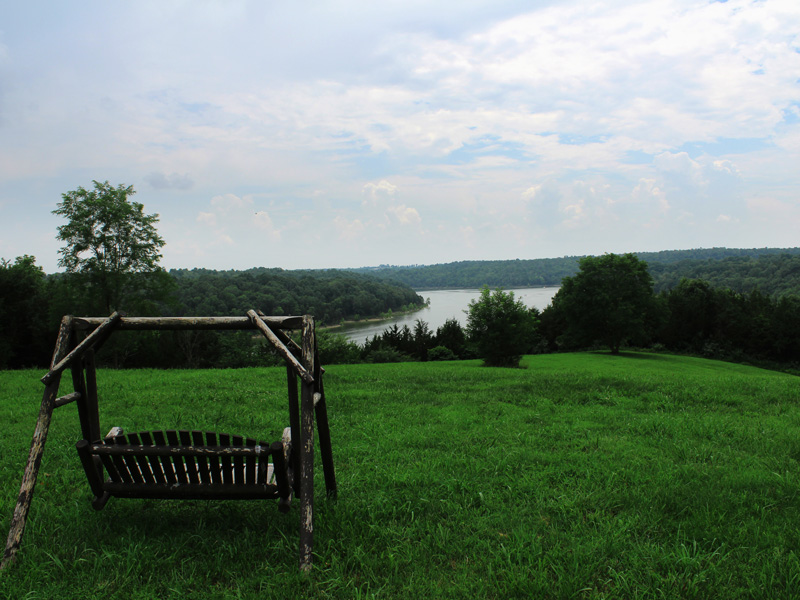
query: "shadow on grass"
191, 524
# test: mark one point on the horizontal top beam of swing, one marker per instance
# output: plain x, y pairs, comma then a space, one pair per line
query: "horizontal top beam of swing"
189, 323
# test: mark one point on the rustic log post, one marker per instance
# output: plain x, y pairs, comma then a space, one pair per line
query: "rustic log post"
79, 384
66, 399
31, 471
323, 428
92, 407
294, 424
307, 449
277, 450
95, 483
64, 341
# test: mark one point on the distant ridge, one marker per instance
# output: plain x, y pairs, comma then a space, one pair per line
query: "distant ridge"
775, 271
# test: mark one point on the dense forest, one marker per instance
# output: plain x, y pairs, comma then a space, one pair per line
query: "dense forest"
693, 317
331, 296
477, 273
772, 274
727, 303
32, 304
774, 271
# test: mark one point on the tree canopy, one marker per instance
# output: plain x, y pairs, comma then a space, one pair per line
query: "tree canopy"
109, 239
23, 313
610, 300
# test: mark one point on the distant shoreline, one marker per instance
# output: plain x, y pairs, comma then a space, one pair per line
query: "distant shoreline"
345, 323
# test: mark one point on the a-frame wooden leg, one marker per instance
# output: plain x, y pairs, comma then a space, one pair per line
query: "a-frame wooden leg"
26, 489
31, 471
307, 450
323, 429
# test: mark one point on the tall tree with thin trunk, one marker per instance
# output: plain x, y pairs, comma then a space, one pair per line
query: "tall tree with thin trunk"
110, 243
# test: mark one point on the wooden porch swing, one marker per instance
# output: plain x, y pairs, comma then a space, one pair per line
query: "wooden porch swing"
187, 464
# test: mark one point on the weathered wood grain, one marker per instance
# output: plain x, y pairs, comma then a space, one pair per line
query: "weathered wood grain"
196, 323
280, 346
31, 471
307, 448
97, 336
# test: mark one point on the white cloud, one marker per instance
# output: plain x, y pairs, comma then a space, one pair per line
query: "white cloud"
348, 230
647, 191
405, 215
207, 218
263, 222
531, 192
230, 202
727, 167
380, 191
467, 235
678, 163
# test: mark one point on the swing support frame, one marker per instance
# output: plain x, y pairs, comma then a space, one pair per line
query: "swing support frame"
176, 465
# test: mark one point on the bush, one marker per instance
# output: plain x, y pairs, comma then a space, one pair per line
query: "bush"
500, 327
441, 353
386, 355
336, 349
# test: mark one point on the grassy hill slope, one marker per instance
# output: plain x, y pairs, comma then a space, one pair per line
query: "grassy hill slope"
581, 475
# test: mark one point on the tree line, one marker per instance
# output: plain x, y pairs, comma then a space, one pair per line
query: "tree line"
609, 303
32, 304
774, 271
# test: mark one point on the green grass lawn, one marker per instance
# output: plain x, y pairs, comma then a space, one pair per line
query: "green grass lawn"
580, 476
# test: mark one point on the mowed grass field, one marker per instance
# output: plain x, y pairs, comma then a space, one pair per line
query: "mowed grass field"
578, 476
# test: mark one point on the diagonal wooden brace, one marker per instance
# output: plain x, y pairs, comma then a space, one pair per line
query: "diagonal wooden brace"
280, 346
91, 340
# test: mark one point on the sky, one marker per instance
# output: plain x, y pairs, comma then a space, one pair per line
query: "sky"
343, 133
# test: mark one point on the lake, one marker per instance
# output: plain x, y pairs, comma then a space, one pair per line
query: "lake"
444, 304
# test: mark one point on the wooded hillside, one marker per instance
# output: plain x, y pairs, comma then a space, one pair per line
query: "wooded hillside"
329, 295
774, 271
32, 304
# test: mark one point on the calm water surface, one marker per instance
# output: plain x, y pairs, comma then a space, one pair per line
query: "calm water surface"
445, 304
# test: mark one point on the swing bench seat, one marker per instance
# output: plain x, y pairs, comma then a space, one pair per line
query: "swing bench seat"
192, 465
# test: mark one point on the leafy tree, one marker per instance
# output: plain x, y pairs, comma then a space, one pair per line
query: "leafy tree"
610, 300
423, 340
500, 327
111, 244
693, 307
452, 336
23, 314
786, 329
